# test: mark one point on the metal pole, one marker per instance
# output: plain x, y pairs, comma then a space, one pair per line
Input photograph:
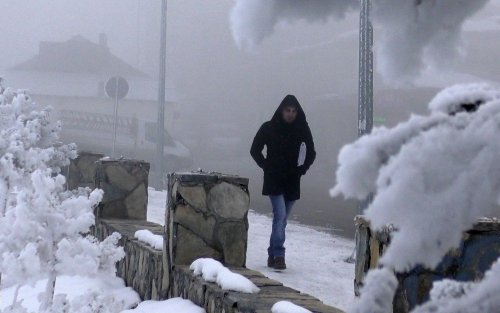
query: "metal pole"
115, 126
161, 95
365, 100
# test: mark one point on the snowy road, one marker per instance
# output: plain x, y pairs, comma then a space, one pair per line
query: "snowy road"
314, 258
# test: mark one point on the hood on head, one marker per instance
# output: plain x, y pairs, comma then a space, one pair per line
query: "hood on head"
290, 100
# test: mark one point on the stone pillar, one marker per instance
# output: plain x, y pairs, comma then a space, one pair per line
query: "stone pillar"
81, 171
125, 186
206, 216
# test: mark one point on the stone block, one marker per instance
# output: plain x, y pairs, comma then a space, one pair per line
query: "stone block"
190, 247
136, 201
206, 216
232, 239
228, 201
200, 224
81, 171
194, 196
125, 186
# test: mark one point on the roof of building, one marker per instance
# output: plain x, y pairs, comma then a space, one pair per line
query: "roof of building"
79, 67
78, 55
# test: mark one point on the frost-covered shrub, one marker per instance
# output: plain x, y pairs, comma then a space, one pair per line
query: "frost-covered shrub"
432, 177
43, 226
412, 34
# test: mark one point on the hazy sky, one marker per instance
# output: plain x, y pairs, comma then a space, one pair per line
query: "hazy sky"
223, 87
308, 59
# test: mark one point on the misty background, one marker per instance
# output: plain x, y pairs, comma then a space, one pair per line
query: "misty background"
218, 95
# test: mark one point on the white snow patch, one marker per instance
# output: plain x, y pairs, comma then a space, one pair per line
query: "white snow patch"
450, 99
157, 203
146, 236
288, 307
378, 292
174, 305
213, 271
82, 292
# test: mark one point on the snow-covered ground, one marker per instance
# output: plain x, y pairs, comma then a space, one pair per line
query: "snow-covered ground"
314, 258
109, 290
315, 261
89, 294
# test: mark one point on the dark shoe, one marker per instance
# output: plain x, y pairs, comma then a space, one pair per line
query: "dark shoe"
279, 263
270, 261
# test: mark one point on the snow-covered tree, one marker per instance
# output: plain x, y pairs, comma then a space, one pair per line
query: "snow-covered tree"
43, 226
433, 177
413, 34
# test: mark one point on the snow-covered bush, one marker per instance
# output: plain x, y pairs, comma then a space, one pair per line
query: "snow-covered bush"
43, 226
432, 177
414, 34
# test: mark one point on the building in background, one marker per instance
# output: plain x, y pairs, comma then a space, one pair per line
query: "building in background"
70, 76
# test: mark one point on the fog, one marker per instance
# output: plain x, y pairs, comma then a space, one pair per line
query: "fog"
219, 95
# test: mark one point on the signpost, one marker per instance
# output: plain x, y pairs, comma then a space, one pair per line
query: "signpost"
161, 95
116, 88
365, 97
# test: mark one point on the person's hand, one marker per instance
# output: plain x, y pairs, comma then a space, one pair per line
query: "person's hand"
302, 170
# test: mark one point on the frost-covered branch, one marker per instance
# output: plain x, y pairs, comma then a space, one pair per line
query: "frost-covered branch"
432, 176
413, 34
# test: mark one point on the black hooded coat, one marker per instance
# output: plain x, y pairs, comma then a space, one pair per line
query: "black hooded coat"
283, 140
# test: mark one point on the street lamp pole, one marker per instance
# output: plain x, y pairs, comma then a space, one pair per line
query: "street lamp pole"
365, 97
161, 96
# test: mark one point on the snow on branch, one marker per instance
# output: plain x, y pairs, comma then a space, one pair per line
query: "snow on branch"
413, 34
432, 176
254, 20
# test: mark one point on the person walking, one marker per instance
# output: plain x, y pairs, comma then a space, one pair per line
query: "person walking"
289, 154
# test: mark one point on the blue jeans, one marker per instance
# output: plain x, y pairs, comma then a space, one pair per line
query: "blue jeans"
281, 211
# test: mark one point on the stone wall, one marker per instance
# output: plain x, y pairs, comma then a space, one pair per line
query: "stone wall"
81, 171
206, 216
479, 249
142, 268
215, 300
125, 186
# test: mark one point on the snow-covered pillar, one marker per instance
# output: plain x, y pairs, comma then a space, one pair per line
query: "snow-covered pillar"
125, 186
206, 216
